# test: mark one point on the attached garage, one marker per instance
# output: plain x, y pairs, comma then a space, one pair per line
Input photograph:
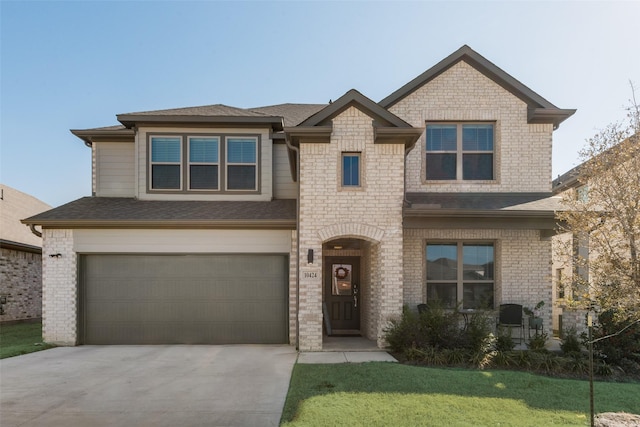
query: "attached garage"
183, 298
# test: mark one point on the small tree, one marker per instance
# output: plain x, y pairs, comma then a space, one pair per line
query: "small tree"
604, 214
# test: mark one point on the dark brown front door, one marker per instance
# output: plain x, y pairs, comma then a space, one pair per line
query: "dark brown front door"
342, 293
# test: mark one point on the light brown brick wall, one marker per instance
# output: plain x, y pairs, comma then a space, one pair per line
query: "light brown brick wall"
464, 94
522, 263
59, 288
372, 212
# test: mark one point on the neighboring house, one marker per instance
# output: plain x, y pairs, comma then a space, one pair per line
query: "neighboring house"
573, 254
284, 223
20, 257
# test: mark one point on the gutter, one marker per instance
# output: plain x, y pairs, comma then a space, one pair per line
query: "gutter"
162, 223
297, 151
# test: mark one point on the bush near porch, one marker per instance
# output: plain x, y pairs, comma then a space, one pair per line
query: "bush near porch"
436, 338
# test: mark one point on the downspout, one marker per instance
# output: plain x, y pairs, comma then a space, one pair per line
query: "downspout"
297, 151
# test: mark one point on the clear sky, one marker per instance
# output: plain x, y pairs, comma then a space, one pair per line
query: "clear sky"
76, 64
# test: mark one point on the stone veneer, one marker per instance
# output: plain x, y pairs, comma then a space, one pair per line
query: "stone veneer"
59, 288
371, 212
21, 278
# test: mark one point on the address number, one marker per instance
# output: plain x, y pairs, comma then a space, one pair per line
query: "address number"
310, 275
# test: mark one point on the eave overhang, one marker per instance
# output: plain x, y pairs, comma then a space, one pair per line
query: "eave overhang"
308, 134
131, 120
89, 136
395, 135
546, 115
284, 224
17, 246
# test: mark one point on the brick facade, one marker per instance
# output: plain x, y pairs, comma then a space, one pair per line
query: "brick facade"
21, 278
522, 265
371, 212
59, 288
462, 93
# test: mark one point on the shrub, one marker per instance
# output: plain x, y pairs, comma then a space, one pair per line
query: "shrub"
623, 340
504, 342
570, 343
537, 342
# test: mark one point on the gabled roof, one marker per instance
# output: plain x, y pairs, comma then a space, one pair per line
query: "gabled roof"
540, 110
355, 98
388, 127
124, 212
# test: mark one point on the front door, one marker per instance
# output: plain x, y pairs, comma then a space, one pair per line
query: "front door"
342, 294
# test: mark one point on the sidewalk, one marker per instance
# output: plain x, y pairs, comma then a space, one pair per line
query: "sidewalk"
345, 357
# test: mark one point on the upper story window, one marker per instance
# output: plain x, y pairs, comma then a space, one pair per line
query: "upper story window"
166, 163
351, 169
460, 151
203, 163
241, 163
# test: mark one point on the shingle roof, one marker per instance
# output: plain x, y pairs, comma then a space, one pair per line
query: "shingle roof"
293, 114
491, 203
203, 110
130, 212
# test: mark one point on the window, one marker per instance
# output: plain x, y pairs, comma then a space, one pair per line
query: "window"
203, 163
459, 151
241, 163
166, 163
351, 169
460, 272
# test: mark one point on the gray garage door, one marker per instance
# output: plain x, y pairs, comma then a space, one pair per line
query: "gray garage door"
183, 299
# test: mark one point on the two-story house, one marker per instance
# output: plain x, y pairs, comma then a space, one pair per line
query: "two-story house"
285, 223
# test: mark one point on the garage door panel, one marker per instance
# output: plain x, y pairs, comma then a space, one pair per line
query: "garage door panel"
153, 299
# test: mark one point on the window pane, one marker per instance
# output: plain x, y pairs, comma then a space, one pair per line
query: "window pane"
203, 150
165, 177
477, 295
477, 262
165, 150
441, 166
350, 170
241, 177
477, 137
444, 294
203, 177
441, 137
241, 150
442, 262
477, 166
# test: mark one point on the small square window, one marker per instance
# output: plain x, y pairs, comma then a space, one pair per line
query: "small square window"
350, 169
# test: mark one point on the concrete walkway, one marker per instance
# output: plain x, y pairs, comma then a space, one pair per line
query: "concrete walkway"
345, 357
238, 385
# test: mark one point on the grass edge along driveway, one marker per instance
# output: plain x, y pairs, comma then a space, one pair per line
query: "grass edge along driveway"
377, 394
21, 338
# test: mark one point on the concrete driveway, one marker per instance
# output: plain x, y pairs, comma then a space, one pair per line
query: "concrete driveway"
238, 385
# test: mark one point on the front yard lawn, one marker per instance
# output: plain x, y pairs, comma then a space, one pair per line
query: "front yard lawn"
384, 394
21, 338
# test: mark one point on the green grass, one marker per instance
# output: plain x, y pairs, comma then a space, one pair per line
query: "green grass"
384, 394
21, 338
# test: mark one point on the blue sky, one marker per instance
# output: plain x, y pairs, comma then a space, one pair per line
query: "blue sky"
76, 64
